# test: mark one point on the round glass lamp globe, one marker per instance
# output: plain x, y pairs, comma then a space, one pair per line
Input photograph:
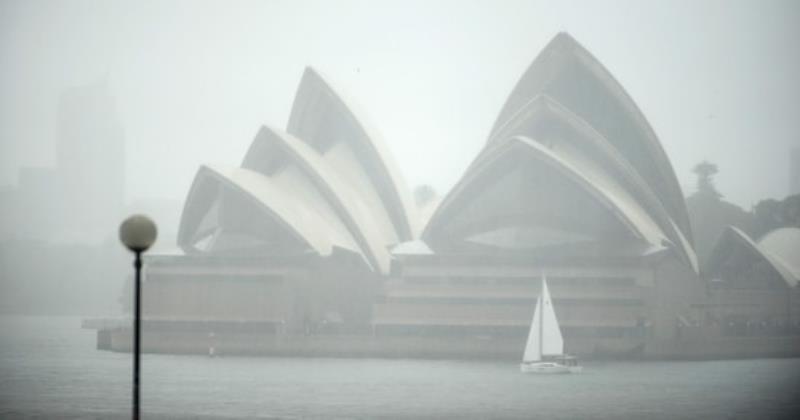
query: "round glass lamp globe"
138, 232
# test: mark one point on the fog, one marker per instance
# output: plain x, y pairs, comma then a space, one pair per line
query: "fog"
193, 80
302, 236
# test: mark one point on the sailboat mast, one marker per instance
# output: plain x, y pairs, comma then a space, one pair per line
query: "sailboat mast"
541, 322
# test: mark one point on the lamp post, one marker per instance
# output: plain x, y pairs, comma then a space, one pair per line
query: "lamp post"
137, 233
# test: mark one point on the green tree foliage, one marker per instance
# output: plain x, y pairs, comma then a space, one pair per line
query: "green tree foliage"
424, 194
705, 171
772, 214
710, 215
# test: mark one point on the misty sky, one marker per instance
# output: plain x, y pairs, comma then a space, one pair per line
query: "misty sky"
193, 81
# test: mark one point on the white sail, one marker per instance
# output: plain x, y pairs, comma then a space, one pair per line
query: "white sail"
544, 339
552, 341
533, 348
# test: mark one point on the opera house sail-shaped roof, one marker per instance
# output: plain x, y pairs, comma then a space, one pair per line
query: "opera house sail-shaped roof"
774, 259
326, 184
314, 233
521, 195
570, 74
783, 247
273, 152
322, 119
315, 230
236, 210
570, 166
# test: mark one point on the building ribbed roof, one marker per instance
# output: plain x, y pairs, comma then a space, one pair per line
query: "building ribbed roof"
302, 225
273, 150
575, 140
330, 183
571, 164
569, 113
777, 250
783, 247
322, 118
592, 208
571, 75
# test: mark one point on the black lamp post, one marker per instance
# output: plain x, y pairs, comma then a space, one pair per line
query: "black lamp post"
138, 233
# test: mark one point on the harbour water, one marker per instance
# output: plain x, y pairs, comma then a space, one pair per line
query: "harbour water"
49, 368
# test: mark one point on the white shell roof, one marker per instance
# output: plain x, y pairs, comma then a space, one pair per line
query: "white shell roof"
302, 221
331, 183
365, 160
589, 151
783, 247
607, 147
621, 122
778, 248
346, 202
631, 216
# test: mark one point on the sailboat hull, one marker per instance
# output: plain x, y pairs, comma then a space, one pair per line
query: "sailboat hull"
544, 350
548, 368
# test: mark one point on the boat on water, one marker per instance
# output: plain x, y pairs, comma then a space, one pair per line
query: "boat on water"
544, 350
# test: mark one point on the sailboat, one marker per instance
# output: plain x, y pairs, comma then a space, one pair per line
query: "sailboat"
544, 351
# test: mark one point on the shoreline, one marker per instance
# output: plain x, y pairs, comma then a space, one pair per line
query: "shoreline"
117, 338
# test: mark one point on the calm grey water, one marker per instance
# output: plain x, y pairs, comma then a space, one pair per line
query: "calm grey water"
50, 369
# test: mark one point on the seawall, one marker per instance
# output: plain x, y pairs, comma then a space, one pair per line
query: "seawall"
504, 348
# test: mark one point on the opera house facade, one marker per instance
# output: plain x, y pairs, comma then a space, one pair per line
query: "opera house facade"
315, 234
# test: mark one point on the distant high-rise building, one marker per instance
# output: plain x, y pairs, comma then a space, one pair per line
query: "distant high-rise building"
90, 161
37, 208
794, 172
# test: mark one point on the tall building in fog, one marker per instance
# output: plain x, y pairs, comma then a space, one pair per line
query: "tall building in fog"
90, 162
81, 199
794, 172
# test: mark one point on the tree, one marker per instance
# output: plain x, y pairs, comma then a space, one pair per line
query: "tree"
424, 194
771, 214
710, 215
705, 171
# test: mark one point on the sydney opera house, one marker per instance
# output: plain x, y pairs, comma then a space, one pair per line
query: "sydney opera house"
315, 237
